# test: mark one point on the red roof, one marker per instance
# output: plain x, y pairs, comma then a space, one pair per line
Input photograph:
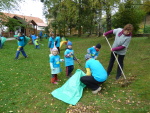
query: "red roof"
37, 20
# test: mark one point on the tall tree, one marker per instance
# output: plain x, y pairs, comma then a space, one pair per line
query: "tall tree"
128, 13
146, 6
108, 6
9, 4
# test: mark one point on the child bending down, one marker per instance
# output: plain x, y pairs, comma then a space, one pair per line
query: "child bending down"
94, 51
36, 42
55, 65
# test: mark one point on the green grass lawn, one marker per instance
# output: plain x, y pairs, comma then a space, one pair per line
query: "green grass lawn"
25, 86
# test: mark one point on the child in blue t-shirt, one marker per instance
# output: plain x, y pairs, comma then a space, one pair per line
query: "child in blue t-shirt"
51, 42
33, 37
55, 65
94, 51
57, 42
69, 59
21, 44
45, 35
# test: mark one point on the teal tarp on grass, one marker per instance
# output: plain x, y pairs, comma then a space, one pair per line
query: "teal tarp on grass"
26, 40
72, 90
3, 39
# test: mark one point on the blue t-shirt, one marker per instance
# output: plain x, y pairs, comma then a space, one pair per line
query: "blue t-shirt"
97, 70
69, 59
57, 40
45, 35
21, 41
93, 52
33, 37
55, 60
40, 34
51, 42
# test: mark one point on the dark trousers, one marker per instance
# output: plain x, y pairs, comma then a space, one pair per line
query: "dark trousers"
58, 50
69, 69
90, 82
37, 47
111, 63
0, 44
40, 37
20, 49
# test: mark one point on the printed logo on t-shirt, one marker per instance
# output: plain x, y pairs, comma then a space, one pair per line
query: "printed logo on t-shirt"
57, 62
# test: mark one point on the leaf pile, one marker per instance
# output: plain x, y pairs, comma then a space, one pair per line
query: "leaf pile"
128, 81
81, 108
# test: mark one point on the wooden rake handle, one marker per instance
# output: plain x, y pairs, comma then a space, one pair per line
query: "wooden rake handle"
116, 58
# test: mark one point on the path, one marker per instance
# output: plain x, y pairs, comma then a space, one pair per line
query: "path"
10, 39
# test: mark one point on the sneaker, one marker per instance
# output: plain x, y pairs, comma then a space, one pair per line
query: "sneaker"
96, 91
26, 56
15, 58
55, 82
117, 77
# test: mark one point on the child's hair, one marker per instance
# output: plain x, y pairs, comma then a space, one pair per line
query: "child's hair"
98, 46
54, 49
20, 33
128, 27
51, 34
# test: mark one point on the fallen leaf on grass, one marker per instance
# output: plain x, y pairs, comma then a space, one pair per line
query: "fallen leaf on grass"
81, 108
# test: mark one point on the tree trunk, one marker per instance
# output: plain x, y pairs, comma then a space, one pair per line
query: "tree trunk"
108, 18
100, 31
79, 24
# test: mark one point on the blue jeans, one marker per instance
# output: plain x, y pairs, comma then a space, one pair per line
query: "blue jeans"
20, 49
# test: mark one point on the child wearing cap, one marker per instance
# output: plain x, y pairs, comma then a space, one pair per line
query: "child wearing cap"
96, 74
69, 59
51, 42
55, 65
94, 51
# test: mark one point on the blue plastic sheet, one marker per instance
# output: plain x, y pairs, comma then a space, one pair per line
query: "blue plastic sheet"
26, 40
3, 39
71, 91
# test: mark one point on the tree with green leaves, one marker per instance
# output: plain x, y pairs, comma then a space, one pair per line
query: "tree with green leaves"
146, 6
9, 4
86, 15
11, 23
129, 13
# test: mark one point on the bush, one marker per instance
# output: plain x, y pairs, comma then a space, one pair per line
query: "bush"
147, 29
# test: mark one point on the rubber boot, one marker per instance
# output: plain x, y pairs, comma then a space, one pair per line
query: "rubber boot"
56, 79
53, 80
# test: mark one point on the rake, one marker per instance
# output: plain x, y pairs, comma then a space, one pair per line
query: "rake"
116, 59
78, 63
